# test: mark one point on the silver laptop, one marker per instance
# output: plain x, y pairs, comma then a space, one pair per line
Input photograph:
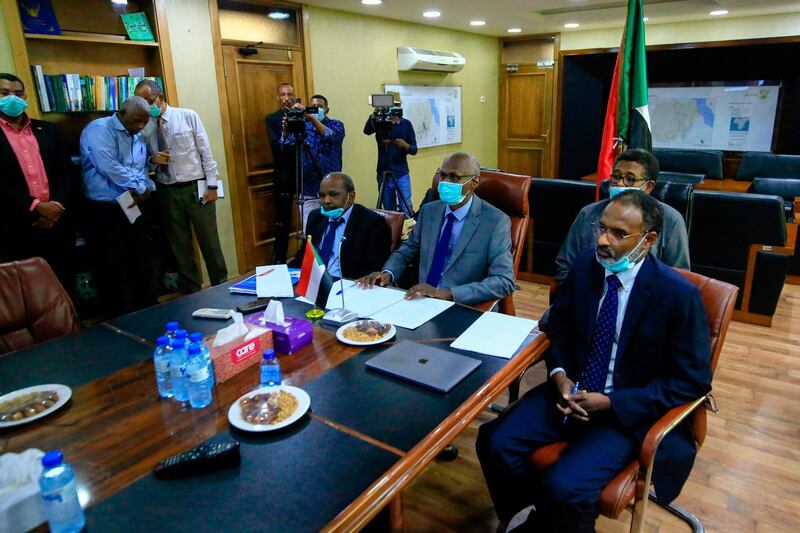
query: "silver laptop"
424, 365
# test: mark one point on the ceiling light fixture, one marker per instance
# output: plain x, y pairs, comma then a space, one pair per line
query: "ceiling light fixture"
371, 2
431, 14
477, 23
571, 25
645, 19
278, 15
718, 12
514, 30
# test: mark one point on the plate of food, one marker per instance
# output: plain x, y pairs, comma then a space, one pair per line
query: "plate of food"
29, 404
365, 332
269, 408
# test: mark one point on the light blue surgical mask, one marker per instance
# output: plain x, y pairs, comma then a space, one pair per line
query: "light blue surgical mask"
614, 191
333, 213
625, 262
320, 113
155, 111
451, 193
12, 105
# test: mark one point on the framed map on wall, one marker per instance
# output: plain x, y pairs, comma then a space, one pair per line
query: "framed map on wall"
435, 112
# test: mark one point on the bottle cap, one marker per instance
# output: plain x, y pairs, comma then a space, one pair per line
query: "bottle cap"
177, 344
180, 333
52, 458
194, 350
196, 337
269, 354
172, 326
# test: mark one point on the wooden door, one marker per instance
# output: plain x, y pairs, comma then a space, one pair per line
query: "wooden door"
252, 85
526, 120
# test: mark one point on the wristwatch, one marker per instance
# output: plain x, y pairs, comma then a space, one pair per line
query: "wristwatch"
212, 187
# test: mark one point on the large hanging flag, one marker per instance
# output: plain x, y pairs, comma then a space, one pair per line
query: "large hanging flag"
627, 117
315, 282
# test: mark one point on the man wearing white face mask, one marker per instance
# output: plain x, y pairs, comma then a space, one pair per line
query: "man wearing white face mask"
461, 243
633, 169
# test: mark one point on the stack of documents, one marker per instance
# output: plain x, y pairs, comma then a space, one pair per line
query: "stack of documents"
495, 334
273, 281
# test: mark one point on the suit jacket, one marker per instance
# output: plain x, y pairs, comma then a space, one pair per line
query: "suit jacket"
282, 159
480, 268
366, 245
663, 353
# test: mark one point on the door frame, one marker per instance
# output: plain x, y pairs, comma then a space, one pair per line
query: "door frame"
227, 128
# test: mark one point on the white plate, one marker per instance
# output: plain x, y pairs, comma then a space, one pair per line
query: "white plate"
340, 334
303, 403
64, 394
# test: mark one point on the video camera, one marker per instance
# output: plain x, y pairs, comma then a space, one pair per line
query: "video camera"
296, 118
384, 110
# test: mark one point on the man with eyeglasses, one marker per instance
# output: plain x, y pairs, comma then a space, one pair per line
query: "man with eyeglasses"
461, 243
629, 340
633, 169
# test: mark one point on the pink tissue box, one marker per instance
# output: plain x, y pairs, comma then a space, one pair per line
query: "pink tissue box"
289, 338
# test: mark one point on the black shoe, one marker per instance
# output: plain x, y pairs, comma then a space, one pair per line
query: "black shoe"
449, 453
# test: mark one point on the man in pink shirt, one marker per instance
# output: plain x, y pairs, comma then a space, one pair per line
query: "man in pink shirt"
36, 184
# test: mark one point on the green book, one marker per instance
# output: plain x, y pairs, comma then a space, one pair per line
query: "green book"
137, 26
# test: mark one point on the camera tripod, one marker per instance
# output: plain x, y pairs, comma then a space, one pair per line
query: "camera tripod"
301, 150
389, 175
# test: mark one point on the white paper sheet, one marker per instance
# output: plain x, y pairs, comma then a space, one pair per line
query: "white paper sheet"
273, 280
495, 334
125, 200
201, 189
411, 314
364, 302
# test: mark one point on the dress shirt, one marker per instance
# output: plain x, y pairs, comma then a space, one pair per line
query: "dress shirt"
113, 161
626, 279
327, 150
334, 264
190, 155
26, 148
394, 158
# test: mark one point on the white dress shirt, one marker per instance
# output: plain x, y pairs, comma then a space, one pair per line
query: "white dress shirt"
334, 263
190, 155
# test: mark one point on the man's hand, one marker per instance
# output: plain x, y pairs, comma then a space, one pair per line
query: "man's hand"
376, 278
210, 196
423, 289
408, 225
49, 210
400, 143
161, 158
567, 403
137, 198
43, 223
593, 402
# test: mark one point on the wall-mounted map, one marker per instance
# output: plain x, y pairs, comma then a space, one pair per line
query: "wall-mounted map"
435, 112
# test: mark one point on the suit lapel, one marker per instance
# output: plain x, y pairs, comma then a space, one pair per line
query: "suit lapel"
637, 302
471, 223
596, 281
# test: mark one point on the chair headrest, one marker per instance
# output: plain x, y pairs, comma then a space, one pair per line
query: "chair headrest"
788, 188
766, 164
706, 162
507, 192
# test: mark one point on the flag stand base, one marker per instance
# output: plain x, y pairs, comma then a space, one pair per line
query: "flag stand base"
339, 317
315, 314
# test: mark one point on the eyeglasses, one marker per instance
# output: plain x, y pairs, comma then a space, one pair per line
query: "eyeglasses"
454, 178
628, 181
613, 235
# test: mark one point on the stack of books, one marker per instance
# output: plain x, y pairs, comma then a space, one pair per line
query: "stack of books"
64, 93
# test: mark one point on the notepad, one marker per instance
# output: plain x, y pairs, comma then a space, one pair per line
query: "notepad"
273, 281
364, 302
125, 200
495, 334
411, 314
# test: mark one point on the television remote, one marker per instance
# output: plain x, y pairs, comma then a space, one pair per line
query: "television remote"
203, 458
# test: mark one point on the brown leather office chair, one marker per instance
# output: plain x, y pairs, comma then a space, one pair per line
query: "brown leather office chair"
394, 219
632, 484
508, 193
34, 307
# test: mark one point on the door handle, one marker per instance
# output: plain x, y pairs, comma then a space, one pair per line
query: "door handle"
546, 135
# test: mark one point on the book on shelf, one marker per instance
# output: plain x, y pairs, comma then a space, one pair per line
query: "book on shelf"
65, 93
37, 16
137, 26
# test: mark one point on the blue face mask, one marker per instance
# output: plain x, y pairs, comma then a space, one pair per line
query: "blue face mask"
155, 111
12, 105
450, 193
321, 114
614, 191
623, 263
334, 213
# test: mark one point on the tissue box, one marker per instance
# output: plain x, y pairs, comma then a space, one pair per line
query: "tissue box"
238, 354
289, 338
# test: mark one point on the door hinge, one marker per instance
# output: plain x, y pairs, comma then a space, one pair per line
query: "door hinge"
225, 69
233, 141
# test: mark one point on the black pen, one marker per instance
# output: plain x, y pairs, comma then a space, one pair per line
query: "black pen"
573, 393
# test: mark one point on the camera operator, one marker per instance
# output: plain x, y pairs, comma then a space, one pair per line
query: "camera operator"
283, 178
392, 153
323, 137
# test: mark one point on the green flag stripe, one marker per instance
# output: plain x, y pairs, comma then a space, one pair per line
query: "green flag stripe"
633, 72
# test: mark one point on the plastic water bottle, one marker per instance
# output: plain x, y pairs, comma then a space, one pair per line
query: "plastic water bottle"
198, 378
60, 495
172, 327
197, 338
161, 363
177, 368
183, 335
270, 369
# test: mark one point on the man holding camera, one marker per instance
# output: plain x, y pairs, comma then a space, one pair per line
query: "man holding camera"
396, 140
283, 178
322, 153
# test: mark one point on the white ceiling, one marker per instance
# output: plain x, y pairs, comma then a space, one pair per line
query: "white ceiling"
549, 16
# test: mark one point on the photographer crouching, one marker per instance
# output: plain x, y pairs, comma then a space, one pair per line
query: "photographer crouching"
395, 138
320, 139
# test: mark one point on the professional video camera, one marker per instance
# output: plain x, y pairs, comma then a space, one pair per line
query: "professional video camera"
384, 110
296, 118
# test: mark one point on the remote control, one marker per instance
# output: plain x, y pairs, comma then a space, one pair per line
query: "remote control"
214, 314
203, 458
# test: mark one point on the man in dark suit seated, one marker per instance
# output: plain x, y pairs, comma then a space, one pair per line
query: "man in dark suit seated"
629, 341
340, 224
461, 243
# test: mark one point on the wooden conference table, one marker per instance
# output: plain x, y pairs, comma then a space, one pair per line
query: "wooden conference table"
366, 438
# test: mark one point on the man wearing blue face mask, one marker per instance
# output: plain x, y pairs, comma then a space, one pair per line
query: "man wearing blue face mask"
635, 169
36, 183
629, 340
324, 138
461, 243
351, 239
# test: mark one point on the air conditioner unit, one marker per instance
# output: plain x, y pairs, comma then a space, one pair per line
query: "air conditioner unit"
430, 60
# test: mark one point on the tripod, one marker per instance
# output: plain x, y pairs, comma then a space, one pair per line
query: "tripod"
301, 150
389, 175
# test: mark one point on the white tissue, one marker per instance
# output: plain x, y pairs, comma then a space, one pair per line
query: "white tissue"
274, 314
20, 507
232, 332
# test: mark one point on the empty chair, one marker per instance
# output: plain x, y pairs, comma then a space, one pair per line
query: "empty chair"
680, 177
768, 165
789, 189
705, 162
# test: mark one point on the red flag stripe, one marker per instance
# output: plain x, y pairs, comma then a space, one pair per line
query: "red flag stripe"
605, 161
309, 261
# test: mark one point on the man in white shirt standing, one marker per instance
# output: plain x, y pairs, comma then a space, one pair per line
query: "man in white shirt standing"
178, 146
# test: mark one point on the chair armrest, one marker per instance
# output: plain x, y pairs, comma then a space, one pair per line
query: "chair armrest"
485, 306
788, 250
660, 429
796, 208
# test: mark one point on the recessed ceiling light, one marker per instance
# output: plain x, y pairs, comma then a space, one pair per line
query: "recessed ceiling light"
514, 30
431, 14
371, 2
278, 15
718, 12
571, 25
645, 19
477, 23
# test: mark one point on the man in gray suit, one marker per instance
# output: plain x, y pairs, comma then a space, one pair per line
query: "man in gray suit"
633, 169
462, 243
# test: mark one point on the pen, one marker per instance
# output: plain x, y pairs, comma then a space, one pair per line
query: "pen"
270, 271
342, 290
573, 393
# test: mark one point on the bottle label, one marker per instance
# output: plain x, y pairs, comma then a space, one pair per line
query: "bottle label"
201, 374
162, 365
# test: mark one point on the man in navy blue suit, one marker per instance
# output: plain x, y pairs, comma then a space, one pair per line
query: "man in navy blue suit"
629, 341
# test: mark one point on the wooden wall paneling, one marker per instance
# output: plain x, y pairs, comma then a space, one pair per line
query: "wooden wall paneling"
20, 54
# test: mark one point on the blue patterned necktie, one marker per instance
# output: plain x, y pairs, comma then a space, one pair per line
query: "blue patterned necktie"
593, 378
440, 255
326, 250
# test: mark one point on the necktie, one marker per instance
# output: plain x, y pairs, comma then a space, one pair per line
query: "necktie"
440, 255
593, 378
162, 143
326, 250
